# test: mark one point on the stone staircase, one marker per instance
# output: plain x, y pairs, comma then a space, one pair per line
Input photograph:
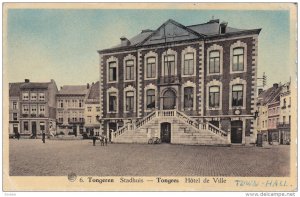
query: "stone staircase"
184, 130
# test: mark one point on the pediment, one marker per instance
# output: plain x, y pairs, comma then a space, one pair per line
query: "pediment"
169, 32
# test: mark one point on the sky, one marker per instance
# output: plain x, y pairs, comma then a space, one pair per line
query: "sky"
62, 44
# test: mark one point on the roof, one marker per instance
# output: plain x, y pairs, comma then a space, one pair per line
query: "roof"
14, 89
34, 85
172, 31
269, 95
73, 90
94, 92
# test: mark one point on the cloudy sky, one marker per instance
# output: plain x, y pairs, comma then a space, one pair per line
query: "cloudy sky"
61, 44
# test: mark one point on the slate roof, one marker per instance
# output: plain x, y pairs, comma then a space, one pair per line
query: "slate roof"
14, 89
269, 95
34, 85
94, 92
205, 30
73, 90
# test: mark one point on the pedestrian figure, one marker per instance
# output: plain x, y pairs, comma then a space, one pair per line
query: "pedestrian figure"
105, 138
102, 140
43, 136
94, 140
17, 135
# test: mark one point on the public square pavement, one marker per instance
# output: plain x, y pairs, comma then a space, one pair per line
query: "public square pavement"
30, 157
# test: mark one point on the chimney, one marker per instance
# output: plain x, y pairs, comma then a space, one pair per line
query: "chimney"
124, 41
222, 29
275, 85
88, 86
214, 21
260, 90
27, 80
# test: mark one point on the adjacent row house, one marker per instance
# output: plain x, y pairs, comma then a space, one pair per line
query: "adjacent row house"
32, 108
274, 114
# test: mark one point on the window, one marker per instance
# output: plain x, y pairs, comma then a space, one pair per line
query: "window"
42, 96
89, 109
284, 102
42, 126
25, 96
129, 100
25, 109
60, 103
14, 105
129, 70
25, 125
289, 102
89, 118
188, 64
150, 99
283, 119
97, 109
112, 71
214, 62
214, 96
80, 103
188, 97
15, 116
238, 59
42, 109
169, 65
33, 96
151, 68
33, 109
112, 102
289, 120
237, 95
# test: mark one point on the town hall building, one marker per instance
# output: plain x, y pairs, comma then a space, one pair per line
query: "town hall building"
184, 84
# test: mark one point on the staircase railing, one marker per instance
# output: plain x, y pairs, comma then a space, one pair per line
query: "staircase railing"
171, 113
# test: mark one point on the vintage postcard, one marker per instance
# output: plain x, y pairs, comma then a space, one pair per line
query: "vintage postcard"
150, 97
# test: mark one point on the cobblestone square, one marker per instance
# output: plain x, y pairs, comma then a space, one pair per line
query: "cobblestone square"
59, 158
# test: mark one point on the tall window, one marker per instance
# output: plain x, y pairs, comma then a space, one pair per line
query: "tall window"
14, 105
129, 100
15, 116
42, 96
25, 109
237, 95
60, 103
42, 109
33, 96
238, 59
33, 109
188, 97
129, 70
112, 71
188, 64
214, 96
80, 103
150, 99
25, 96
112, 102
89, 109
169, 65
151, 68
25, 125
214, 62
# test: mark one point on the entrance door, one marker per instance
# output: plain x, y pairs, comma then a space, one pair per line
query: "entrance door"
33, 128
165, 133
112, 126
169, 99
236, 131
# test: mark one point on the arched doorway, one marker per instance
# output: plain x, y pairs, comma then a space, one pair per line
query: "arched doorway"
169, 99
236, 131
165, 132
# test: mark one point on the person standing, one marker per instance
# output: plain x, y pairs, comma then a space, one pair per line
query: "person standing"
105, 138
94, 140
43, 136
